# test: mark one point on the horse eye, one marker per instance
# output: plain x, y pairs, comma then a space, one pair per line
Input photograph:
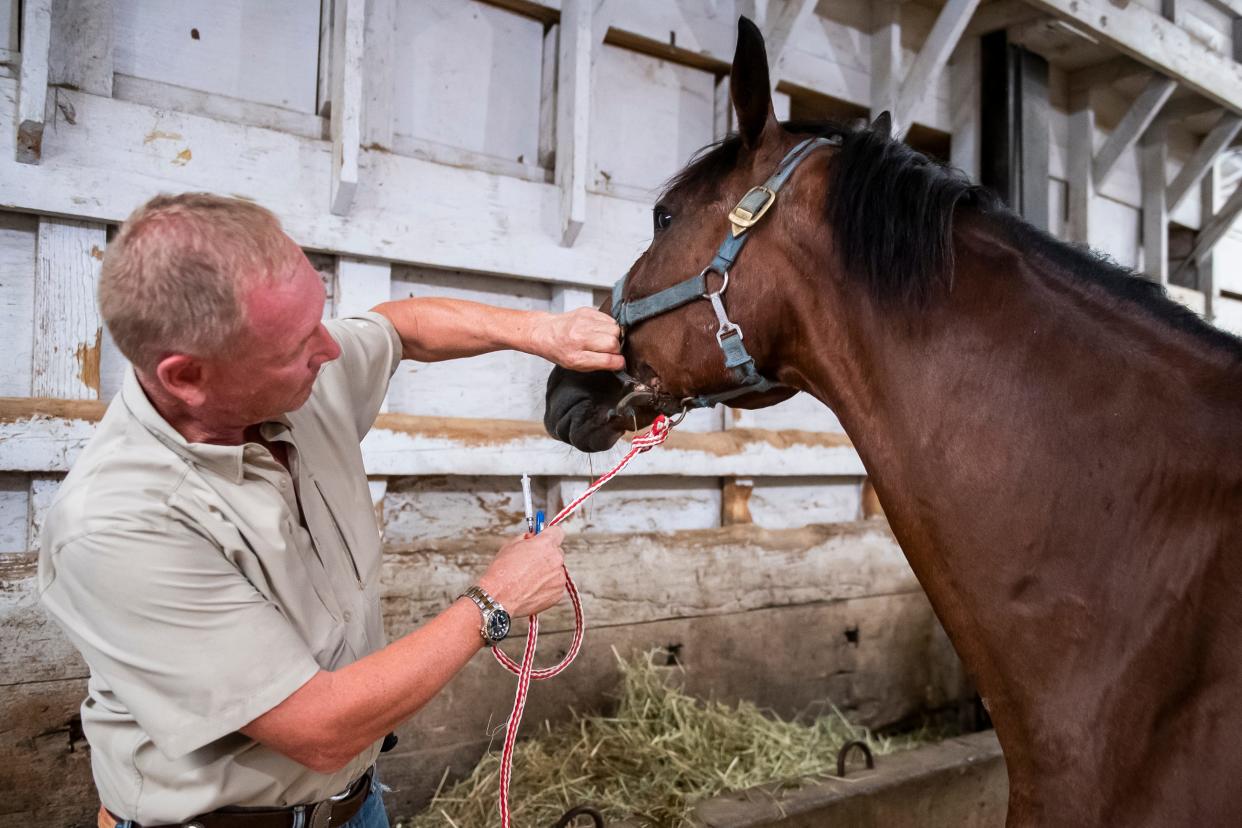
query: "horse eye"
662, 217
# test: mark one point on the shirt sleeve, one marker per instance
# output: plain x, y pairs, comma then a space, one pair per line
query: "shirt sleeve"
358, 380
177, 632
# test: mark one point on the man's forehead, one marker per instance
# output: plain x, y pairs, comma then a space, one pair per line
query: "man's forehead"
294, 295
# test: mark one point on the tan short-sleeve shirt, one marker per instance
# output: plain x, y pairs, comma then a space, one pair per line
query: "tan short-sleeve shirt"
201, 595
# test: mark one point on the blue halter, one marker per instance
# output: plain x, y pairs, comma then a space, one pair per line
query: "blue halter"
753, 206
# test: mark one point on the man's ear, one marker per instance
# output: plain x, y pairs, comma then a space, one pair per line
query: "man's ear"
182, 376
749, 84
883, 124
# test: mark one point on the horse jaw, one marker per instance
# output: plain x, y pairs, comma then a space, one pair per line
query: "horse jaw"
577, 409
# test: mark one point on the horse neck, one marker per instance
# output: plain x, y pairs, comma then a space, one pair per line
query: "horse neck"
1050, 459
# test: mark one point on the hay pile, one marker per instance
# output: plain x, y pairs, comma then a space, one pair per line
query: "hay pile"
659, 754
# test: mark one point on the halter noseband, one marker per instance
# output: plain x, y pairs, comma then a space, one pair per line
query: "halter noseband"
745, 215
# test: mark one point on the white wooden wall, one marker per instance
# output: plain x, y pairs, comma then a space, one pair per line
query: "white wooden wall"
468, 184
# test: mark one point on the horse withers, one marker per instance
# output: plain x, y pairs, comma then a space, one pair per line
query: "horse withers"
1057, 446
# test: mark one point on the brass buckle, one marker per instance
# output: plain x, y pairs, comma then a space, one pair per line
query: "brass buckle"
750, 209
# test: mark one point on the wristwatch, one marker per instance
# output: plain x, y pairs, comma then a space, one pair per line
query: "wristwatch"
496, 620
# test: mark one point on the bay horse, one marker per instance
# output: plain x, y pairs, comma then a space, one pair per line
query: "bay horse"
1057, 445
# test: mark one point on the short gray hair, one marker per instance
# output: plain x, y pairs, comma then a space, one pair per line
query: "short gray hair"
174, 277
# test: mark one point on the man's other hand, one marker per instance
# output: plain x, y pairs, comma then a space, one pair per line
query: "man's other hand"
580, 340
528, 574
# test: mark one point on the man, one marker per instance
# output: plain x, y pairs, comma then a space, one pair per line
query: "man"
214, 553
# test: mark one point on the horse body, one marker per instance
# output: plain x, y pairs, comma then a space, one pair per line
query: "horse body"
1055, 445
1068, 490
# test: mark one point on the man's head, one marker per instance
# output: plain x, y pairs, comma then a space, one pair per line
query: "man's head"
216, 307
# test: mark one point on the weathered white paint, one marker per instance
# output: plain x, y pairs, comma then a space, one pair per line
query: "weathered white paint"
784, 19
378, 73
1152, 151
575, 50
964, 103
32, 87
17, 268
885, 56
81, 45
1080, 154
631, 156
802, 412
361, 285
1197, 166
14, 518
66, 318
348, 30
256, 51
784, 503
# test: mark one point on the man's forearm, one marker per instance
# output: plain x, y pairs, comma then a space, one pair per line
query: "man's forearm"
437, 329
336, 715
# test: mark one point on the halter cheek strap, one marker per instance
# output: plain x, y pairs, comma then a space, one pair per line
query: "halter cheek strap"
745, 215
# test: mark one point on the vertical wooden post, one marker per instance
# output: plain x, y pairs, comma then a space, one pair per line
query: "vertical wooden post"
348, 28
1152, 153
1209, 186
871, 507
1014, 143
885, 56
735, 501
80, 53
1080, 152
547, 97
67, 330
32, 81
377, 74
964, 105
573, 105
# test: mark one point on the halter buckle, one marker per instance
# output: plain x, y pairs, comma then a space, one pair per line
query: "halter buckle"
747, 212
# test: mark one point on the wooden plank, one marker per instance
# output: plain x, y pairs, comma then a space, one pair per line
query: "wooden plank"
32, 84
218, 107
1080, 152
18, 239
67, 323
120, 154
735, 501
323, 88
44, 435
1215, 228
1165, 47
547, 97
924, 73
1132, 126
1001, 14
573, 106
885, 56
361, 285
348, 30
80, 53
1197, 166
378, 73
1153, 152
964, 105
1208, 200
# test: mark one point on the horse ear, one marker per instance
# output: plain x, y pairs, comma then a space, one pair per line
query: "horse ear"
749, 84
883, 124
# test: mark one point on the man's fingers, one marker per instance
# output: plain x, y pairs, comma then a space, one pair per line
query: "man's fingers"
603, 344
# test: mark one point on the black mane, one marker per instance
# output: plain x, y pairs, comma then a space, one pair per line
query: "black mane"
891, 212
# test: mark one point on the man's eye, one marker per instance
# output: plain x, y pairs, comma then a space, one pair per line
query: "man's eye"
662, 217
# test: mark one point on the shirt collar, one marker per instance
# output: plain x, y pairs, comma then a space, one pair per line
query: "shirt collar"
227, 461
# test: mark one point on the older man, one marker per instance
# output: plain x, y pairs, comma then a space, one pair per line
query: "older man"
214, 554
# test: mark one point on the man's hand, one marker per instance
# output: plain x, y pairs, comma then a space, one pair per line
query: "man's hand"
528, 574
580, 340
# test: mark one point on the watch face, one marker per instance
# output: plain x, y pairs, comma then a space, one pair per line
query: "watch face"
498, 625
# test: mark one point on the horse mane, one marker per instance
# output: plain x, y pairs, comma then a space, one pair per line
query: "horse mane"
891, 210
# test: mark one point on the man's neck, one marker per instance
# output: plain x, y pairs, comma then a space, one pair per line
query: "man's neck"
194, 429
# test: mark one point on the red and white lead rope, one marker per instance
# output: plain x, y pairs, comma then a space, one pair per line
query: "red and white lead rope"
526, 671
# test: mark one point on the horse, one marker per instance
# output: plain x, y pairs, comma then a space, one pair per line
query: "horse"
1056, 444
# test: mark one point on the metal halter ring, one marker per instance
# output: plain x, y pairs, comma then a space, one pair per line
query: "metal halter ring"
714, 269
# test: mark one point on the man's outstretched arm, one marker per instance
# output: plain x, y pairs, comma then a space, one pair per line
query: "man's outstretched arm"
437, 329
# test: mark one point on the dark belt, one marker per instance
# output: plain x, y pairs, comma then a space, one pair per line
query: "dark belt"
330, 813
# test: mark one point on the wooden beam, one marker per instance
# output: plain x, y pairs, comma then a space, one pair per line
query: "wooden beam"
779, 30
80, 54
323, 86
1206, 265
1132, 126
1215, 229
348, 30
573, 109
32, 83
1157, 43
1001, 14
41, 435
378, 66
1080, 153
1153, 152
924, 72
964, 105
547, 96
735, 501
1197, 166
885, 56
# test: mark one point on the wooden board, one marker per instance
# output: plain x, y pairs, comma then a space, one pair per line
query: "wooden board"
17, 269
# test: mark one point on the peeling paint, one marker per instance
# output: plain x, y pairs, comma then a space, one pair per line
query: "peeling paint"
156, 135
88, 360
182, 158
96, 253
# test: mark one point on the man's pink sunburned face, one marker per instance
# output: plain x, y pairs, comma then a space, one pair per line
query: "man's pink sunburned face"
272, 371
